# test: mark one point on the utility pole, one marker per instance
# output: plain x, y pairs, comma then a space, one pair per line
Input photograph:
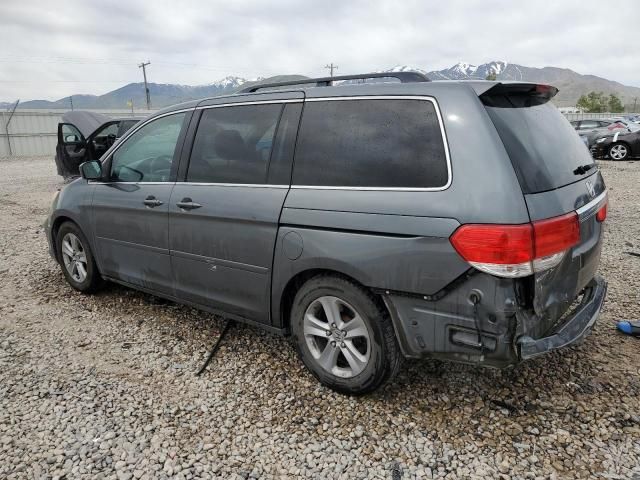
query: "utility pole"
331, 67
71, 102
146, 88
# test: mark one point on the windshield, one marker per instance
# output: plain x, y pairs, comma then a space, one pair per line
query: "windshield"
544, 148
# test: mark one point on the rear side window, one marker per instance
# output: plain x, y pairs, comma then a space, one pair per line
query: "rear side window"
589, 124
544, 149
233, 144
370, 143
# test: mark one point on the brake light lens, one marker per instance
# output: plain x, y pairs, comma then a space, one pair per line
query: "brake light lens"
556, 234
517, 250
601, 215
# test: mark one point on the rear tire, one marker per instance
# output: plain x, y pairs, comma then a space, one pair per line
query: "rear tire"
619, 151
76, 259
352, 349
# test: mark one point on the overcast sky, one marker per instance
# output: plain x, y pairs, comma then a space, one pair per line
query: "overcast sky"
51, 49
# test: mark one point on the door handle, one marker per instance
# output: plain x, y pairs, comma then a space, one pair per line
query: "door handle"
187, 204
152, 201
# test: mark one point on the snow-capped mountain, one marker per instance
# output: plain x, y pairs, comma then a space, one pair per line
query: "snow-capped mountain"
460, 71
229, 82
405, 68
467, 71
570, 83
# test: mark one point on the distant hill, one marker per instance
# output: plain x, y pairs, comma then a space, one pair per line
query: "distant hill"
162, 94
570, 83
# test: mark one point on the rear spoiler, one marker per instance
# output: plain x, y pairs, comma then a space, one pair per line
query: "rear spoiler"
514, 94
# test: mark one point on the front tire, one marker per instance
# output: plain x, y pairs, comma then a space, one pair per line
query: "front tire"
344, 335
619, 151
76, 259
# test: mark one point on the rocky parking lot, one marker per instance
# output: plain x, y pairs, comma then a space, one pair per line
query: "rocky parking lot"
103, 386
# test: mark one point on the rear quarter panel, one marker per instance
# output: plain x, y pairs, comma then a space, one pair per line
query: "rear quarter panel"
398, 240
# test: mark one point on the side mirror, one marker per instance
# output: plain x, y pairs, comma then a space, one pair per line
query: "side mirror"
91, 170
71, 139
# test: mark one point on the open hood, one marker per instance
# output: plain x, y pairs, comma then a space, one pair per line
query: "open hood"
87, 122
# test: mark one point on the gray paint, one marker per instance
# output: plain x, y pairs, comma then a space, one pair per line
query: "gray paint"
243, 247
229, 244
565, 199
131, 238
484, 187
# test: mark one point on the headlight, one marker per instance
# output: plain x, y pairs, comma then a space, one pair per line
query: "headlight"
600, 140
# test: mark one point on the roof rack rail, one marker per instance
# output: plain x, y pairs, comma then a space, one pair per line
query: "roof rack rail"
404, 77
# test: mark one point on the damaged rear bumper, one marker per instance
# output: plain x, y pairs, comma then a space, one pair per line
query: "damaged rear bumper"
448, 328
577, 326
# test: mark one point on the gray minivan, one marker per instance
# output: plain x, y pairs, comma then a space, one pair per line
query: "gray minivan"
371, 222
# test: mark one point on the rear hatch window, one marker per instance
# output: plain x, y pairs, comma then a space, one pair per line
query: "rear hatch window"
544, 148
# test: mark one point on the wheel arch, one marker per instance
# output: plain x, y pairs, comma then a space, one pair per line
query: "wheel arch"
55, 228
282, 314
58, 221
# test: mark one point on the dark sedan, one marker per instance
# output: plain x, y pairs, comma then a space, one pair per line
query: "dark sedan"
617, 146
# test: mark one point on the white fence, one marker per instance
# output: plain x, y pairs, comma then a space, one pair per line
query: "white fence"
34, 132
585, 116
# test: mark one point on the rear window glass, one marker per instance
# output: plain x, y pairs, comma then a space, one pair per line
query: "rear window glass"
544, 148
370, 143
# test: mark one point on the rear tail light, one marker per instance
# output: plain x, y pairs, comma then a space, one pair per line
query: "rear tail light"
517, 250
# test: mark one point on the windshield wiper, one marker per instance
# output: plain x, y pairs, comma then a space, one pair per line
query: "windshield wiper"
582, 169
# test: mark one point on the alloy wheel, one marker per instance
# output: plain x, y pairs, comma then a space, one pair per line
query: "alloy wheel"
337, 336
74, 257
618, 152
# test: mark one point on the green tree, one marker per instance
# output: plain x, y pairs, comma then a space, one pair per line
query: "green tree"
598, 102
593, 102
491, 76
615, 104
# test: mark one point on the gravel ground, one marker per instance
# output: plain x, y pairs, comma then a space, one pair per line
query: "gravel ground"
103, 386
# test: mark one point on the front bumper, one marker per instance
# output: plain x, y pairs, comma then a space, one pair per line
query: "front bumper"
48, 232
577, 326
598, 150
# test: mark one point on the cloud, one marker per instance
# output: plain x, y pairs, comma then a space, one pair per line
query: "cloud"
71, 47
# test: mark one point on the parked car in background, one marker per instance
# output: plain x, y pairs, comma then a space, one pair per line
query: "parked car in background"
628, 124
617, 146
589, 124
84, 136
357, 219
590, 133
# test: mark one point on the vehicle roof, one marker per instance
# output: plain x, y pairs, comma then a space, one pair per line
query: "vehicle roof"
351, 89
121, 119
